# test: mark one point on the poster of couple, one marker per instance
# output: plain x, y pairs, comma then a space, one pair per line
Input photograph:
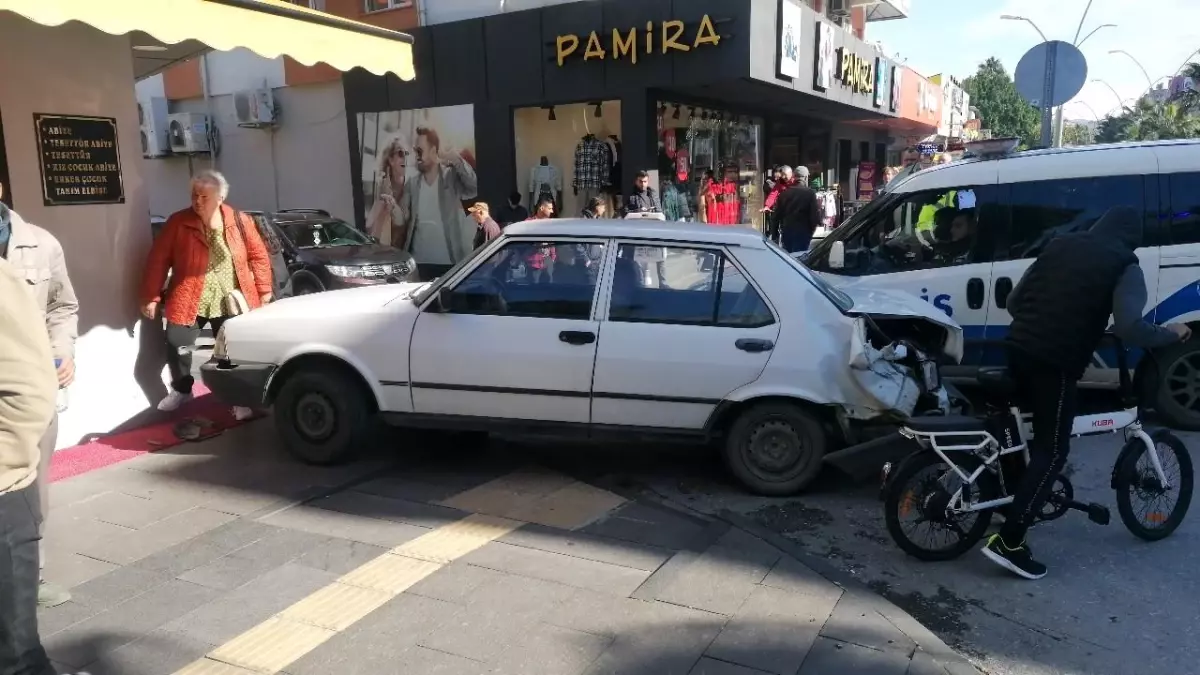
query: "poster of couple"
418, 178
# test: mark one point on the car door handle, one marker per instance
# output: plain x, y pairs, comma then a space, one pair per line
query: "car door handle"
1004, 287
754, 345
577, 337
975, 293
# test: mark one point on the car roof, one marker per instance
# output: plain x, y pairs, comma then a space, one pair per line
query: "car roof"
1088, 161
637, 229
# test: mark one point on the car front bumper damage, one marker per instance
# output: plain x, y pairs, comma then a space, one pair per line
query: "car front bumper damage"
238, 383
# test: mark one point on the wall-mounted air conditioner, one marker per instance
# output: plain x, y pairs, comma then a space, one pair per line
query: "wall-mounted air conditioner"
188, 132
254, 108
152, 121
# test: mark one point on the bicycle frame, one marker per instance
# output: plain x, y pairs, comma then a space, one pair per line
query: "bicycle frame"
988, 449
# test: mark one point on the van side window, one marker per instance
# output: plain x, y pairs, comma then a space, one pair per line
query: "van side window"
1042, 210
926, 230
1185, 207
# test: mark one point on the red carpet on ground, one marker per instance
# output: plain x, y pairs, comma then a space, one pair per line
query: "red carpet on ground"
158, 435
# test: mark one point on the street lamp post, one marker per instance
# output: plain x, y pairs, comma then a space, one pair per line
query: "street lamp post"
1120, 101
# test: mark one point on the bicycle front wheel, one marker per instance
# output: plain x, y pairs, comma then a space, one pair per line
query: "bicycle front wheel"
1149, 509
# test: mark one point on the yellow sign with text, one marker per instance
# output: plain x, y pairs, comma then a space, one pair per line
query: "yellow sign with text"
671, 36
856, 72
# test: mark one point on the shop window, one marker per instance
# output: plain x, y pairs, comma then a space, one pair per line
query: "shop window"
1185, 207
549, 280
689, 286
380, 5
570, 153
1042, 210
710, 165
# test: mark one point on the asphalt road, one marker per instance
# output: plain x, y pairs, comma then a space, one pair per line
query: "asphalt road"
1111, 604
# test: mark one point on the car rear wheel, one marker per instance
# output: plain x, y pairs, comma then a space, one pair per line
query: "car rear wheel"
775, 449
323, 416
1177, 394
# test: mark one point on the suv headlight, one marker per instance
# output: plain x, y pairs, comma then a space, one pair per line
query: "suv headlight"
219, 348
370, 271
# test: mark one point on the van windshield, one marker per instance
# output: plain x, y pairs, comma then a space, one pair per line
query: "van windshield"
821, 248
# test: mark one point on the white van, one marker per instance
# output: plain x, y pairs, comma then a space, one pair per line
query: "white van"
1014, 203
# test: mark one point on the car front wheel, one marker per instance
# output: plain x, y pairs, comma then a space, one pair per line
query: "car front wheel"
775, 449
323, 416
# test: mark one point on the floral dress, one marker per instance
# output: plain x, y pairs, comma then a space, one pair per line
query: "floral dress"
220, 279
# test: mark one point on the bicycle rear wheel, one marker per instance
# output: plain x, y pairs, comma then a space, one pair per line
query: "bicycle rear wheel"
920, 493
1150, 510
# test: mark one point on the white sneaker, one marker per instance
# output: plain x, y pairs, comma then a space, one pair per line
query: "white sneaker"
242, 413
173, 401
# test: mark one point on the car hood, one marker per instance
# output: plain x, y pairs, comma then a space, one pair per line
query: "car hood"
887, 304
356, 255
332, 304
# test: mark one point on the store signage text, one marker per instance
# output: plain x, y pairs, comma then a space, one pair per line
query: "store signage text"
856, 72
79, 158
672, 35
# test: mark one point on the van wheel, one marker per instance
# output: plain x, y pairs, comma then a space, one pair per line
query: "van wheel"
775, 449
322, 415
1177, 389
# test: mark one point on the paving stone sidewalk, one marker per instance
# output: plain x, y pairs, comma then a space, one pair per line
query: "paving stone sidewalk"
173, 555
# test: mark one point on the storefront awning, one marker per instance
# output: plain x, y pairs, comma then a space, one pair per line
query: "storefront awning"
270, 28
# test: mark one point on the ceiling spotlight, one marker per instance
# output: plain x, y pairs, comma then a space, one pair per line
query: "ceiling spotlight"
675, 115
552, 117
599, 109
691, 111
662, 108
149, 48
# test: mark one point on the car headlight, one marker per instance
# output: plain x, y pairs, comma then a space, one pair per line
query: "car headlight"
219, 348
370, 271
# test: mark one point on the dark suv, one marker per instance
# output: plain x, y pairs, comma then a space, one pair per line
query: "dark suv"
325, 253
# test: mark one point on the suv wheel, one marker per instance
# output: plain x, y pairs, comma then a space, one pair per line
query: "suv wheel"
323, 416
775, 449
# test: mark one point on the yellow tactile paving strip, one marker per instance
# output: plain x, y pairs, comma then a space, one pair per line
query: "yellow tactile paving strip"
498, 507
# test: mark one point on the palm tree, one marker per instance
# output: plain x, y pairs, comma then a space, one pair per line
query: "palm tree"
1152, 121
1190, 99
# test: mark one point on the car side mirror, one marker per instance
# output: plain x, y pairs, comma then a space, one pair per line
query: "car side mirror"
442, 301
837, 255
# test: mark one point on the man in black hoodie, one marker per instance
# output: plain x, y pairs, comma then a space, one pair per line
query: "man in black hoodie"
1060, 311
798, 213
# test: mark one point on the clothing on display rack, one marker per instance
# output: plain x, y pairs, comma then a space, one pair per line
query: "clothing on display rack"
614, 158
674, 202
827, 203
593, 164
545, 180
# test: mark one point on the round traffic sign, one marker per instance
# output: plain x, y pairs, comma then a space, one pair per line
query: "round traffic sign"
1050, 74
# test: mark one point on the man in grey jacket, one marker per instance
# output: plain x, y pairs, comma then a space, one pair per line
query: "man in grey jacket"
439, 233
38, 258
1060, 311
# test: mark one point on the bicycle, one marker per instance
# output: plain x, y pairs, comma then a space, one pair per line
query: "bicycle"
973, 459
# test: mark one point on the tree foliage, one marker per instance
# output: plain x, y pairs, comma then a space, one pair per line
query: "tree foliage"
1077, 134
1001, 108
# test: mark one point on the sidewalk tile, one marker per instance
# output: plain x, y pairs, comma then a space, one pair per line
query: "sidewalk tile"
669, 643
81, 534
387, 508
650, 525
707, 666
340, 556
272, 645
378, 643
447, 544
571, 507
603, 614
519, 595
98, 595
855, 620
207, 666
924, 664
390, 574
237, 611
509, 493
336, 606
478, 633
248, 562
91, 639
206, 548
157, 653
433, 483
790, 574
719, 580
830, 656
589, 547
135, 545
564, 569
773, 631
367, 530
134, 512
456, 582
550, 650
71, 569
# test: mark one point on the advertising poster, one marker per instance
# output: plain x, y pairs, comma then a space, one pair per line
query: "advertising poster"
789, 39
825, 56
418, 177
882, 87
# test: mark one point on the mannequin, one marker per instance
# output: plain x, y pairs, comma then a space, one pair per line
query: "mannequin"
545, 179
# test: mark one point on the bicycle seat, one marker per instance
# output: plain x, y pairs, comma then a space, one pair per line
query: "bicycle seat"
997, 382
941, 424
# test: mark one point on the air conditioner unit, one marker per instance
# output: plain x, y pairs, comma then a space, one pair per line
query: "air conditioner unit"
254, 108
188, 132
152, 119
839, 8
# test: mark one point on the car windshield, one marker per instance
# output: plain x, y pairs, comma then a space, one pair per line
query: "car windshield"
842, 301
307, 234
434, 284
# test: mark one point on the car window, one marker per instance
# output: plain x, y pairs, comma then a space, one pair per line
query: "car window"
309, 234
683, 285
1185, 207
919, 230
548, 279
1045, 209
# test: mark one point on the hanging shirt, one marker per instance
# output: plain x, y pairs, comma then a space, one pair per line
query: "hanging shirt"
429, 240
592, 164
674, 202
544, 179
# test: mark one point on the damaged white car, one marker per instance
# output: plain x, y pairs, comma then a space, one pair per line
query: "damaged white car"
598, 329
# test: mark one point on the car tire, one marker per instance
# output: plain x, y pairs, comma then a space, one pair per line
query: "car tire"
323, 416
775, 449
1178, 366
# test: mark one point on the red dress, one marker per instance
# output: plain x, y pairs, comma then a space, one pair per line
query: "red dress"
712, 209
728, 203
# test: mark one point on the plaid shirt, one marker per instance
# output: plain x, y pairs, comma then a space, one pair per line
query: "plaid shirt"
593, 164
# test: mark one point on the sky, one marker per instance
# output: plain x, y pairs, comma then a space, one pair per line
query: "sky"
955, 36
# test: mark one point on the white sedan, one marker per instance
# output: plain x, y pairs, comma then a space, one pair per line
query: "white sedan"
598, 329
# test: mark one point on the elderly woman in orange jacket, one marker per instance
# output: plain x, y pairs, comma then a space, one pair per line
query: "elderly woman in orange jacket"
217, 263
